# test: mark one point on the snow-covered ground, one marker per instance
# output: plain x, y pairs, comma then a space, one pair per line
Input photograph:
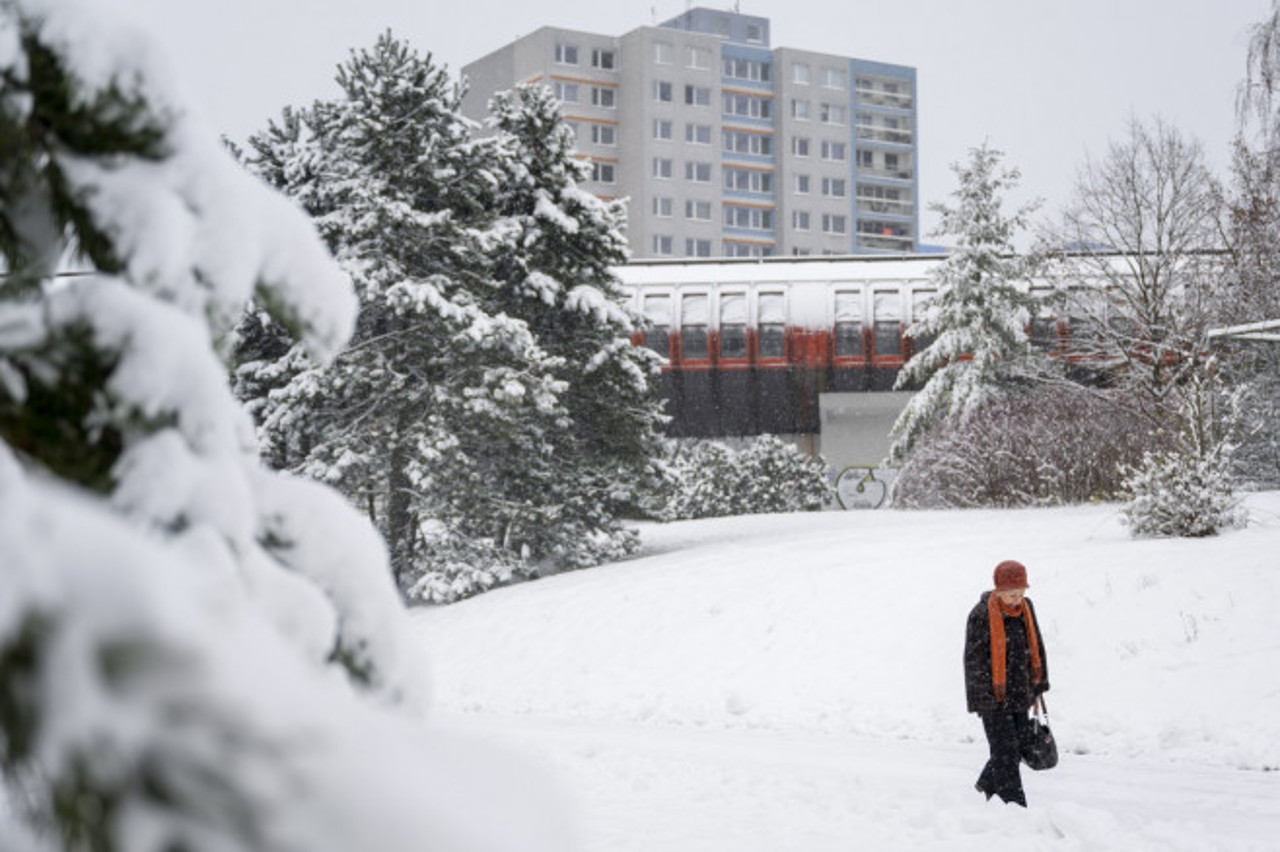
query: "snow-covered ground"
793, 682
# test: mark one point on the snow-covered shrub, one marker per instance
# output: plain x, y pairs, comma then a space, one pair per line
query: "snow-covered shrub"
708, 480
1182, 494
1057, 446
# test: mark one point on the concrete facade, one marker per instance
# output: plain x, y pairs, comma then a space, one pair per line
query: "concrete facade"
724, 146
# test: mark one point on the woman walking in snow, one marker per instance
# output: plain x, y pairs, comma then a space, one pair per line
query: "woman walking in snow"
1004, 671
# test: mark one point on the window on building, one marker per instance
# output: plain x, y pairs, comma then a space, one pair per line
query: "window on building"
833, 78
891, 162
834, 187
695, 312
662, 244
662, 91
566, 54
800, 73
605, 59
697, 172
866, 159
697, 96
802, 184
662, 167
746, 69
603, 97
567, 92
747, 180
662, 53
747, 106
735, 248
662, 207
755, 33
848, 331
604, 134
603, 172
834, 224
834, 150
661, 128
883, 199
831, 114
697, 248
751, 218
800, 220
697, 58
771, 321
800, 146
697, 134
741, 142
800, 110
699, 211
733, 325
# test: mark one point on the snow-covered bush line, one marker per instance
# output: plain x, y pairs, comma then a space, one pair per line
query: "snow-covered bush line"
710, 480
1051, 447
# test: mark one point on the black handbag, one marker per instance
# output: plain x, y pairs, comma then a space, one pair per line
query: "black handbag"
1039, 748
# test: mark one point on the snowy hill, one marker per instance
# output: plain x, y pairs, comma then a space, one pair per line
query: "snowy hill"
794, 682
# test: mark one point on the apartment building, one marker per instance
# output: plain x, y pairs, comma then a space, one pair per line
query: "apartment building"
724, 146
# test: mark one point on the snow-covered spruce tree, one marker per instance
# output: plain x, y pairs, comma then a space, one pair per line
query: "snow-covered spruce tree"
172, 615
977, 321
435, 418
554, 272
467, 416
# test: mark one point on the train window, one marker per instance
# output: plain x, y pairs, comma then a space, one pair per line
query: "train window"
657, 310
848, 325
919, 298
733, 341
733, 325
1084, 335
771, 324
694, 313
887, 328
1044, 333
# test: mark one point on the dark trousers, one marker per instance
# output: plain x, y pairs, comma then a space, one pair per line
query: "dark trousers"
1001, 776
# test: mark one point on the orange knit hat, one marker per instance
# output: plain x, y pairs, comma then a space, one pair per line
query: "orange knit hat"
1010, 574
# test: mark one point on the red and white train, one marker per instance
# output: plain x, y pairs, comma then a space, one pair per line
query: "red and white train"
750, 344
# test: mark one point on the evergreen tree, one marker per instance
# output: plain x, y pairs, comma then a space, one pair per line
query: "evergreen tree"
469, 416
977, 321
555, 273
172, 615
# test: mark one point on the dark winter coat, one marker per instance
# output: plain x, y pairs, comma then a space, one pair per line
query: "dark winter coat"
1020, 692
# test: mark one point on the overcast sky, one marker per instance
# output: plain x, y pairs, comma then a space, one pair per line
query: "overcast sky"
1043, 80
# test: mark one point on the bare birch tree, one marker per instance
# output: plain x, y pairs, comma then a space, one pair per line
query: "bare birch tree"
1141, 260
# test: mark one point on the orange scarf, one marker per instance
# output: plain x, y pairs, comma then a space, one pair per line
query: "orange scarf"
995, 616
